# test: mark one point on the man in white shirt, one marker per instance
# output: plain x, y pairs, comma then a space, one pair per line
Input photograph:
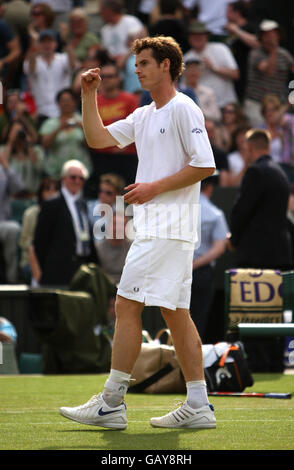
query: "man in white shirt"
48, 73
220, 68
117, 28
174, 155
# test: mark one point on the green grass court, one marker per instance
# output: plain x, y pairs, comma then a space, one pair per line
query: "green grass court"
30, 420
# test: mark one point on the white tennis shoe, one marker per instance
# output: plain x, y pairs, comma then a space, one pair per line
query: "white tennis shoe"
187, 417
97, 413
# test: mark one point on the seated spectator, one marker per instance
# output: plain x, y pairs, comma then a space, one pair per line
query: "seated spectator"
63, 235
214, 230
242, 38
47, 190
233, 118
24, 156
111, 186
237, 159
170, 23
10, 183
15, 108
220, 156
220, 68
113, 249
79, 37
10, 51
115, 104
63, 137
272, 111
205, 95
44, 81
268, 71
117, 27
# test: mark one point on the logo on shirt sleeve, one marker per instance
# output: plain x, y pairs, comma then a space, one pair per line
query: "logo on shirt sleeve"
196, 130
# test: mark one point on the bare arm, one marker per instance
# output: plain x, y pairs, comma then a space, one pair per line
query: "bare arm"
97, 136
144, 192
217, 249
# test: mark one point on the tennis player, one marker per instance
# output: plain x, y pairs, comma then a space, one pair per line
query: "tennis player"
174, 155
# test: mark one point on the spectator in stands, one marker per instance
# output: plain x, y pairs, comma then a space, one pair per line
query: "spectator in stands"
232, 119
17, 15
214, 231
10, 184
242, 39
111, 186
205, 95
126, 65
10, 50
42, 18
63, 236
46, 81
220, 156
63, 136
210, 12
117, 27
16, 109
237, 159
268, 71
170, 23
287, 162
115, 104
113, 249
60, 8
272, 111
24, 156
79, 37
259, 231
220, 68
47, 190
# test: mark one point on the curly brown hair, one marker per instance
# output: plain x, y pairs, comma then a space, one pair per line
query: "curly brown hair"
163, 47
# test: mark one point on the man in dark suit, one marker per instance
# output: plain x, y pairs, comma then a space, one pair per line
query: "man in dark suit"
260, 235
259, 230
63, 236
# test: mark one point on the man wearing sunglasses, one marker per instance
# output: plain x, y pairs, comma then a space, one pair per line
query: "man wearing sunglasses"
63, 233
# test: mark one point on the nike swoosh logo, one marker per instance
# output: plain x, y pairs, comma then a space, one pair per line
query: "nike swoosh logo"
103, 413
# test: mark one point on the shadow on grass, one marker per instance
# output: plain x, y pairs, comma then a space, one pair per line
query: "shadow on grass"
159, 439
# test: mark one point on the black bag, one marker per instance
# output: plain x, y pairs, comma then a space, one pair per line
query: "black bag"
230, 372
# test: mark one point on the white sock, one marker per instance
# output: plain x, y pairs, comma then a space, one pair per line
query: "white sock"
116, 387
197, 393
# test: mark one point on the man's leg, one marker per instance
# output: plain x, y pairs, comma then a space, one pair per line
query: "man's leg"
108, 409
196, 412
126, 347
186, 341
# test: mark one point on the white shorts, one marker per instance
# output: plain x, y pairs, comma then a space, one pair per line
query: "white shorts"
158, 272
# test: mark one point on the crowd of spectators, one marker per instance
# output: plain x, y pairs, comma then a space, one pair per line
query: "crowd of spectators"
238, 68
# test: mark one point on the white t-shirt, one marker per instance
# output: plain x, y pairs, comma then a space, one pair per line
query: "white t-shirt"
167, 140
236, 162
47, 81
220, 56
114, 37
